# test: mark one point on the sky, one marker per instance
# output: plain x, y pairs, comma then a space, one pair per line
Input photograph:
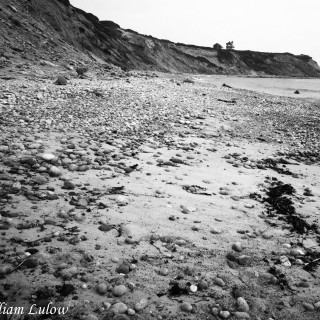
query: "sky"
259, 25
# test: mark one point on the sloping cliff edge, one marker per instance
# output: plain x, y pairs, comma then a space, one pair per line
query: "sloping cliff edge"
55, 30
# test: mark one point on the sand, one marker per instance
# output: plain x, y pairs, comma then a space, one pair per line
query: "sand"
189, 228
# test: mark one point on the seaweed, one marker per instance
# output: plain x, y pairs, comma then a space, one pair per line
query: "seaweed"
273, 164
284, 206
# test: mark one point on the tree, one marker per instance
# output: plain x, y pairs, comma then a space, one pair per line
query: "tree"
230, 45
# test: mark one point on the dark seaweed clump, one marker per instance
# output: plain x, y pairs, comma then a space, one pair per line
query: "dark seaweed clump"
273, 164
281, 204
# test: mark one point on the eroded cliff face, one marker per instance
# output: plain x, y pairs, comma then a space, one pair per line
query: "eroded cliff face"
55, 30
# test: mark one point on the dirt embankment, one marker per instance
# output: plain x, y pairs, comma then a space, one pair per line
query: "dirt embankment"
35, 30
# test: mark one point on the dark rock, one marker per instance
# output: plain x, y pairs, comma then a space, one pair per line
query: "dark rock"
61, 81
30, 263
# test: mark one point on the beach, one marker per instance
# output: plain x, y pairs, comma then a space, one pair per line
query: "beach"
140, 195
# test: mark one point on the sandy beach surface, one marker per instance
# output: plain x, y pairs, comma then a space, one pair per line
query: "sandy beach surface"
135, 195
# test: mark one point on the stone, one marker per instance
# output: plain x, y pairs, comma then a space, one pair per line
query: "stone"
142, 304
244, 260
123, 268
120, 317
48, 157
54, 171
186, 307
241, 315
237, 247
119, 290
203, 285
317, 305
219, 282
242, 304
224, 314
102, 288
61, 81
193, 288
68, 185
120, 307
38, 179
308, 306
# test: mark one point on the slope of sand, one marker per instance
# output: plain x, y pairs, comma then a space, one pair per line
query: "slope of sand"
141, 197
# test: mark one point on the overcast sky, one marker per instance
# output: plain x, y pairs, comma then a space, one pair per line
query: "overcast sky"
259, 25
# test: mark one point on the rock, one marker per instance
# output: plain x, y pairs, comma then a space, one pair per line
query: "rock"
120, 307
224, 314
244, 260
54, 171
297, 92
203, 285
241, 315
242, 304
90, 317
142, 304
39, 180
308, 306
164, 272
193, 288
30, 263
120, 317
285, 261
72, 167
102, 288
190, 271
219, 282
48, 157
215, 311
131, 312
119, 290
303, 284
296, 252
186, 307
68, 185
231, 256
317, 305
237, 247
4, 270
61, 81
123, 268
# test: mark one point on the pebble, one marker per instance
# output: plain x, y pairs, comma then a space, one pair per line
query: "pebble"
241, 315
54, 171
215, 311
48, 157
102, 288
106, 305
203, 285
119, 290
308, 306
244, 260
242, 304
142, 304
90, 317
120, 317
296, 252
131, 312
224, 314
186, 307
193, 288
123, 268
164, 272
120, 307
190, 271
219, 282
237, 247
